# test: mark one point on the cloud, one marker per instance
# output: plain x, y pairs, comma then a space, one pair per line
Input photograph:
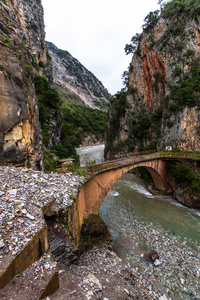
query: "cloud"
95, 32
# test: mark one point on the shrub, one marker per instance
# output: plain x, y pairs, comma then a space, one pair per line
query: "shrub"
182, 173
60, 151
4, 2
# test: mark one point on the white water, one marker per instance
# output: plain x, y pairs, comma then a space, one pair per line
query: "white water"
91, 155
136, 217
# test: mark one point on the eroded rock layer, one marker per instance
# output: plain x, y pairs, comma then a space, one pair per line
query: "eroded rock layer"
22, 49
162, 101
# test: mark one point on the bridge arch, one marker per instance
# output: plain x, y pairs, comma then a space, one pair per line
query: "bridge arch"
94, 191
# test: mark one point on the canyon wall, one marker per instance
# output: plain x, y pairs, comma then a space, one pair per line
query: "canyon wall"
160, 106
22, 52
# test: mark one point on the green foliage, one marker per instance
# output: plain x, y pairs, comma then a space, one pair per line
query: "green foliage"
186, 176
47, 96
140, 126
158, 78
41, 64
177, 71
4, 2
1, 67
134, 46
182, 173
102, 103
27, 66
6, 41
119, 102
76, 169
125, 78
187, 91
151, 39
150, 20
189, 53
60, 151
79, 121
190, 8
50, 160
118, 109
35, 65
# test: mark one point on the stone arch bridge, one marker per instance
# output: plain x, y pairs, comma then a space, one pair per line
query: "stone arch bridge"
94, 191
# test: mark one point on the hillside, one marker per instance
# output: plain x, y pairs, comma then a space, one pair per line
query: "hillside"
71, 75
39, 104
160, 105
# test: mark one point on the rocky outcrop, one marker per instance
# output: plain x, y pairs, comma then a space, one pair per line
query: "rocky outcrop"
162, 97
22, 50
70, 74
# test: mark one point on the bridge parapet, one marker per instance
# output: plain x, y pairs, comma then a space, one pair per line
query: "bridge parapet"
103, 177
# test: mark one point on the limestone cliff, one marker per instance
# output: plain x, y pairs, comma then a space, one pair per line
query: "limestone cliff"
22, 52
70, 74
161, 105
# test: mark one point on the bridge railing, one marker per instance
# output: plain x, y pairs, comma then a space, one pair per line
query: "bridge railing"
127, 155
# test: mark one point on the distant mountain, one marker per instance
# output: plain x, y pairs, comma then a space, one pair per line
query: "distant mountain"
69, 73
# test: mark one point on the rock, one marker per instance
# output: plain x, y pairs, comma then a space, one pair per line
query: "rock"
12, 193
126, 291
164, 297
1, 244
89, 295
157, 262
30, 216
94, 280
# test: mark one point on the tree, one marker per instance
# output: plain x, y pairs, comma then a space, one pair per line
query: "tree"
160, 3
134, 46
151, 19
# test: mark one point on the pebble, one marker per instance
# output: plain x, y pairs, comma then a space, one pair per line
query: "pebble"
1, 244
23, 194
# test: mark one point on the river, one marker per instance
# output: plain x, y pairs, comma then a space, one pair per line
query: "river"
143, 225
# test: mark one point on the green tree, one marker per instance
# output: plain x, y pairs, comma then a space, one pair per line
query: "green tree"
151, 19
134, 46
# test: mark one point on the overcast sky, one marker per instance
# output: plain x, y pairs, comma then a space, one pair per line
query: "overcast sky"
95, 32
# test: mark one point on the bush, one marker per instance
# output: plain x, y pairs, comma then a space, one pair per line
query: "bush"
182, 173
187, 92
60, 151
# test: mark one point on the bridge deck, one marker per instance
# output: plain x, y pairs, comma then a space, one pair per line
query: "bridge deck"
140, 158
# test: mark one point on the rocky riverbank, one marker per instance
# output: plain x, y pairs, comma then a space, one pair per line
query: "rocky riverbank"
98, 273
168, 267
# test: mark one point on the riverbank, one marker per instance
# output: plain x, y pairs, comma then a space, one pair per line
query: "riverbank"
168, 269
98, 273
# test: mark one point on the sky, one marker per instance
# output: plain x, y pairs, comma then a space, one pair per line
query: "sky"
95, 32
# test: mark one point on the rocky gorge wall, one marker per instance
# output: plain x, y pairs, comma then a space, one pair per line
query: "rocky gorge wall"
162, 100
22, 52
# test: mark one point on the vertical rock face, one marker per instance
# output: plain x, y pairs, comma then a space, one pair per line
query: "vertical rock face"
163, 96
22, 48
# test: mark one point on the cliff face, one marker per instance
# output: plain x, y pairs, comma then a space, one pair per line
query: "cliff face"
71, 75
22, 49
162, 104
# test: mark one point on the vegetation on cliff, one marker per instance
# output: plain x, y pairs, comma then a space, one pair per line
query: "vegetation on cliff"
69, 70
75, 122
162, 84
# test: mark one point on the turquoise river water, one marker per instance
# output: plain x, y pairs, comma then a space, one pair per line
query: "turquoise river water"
140, 222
